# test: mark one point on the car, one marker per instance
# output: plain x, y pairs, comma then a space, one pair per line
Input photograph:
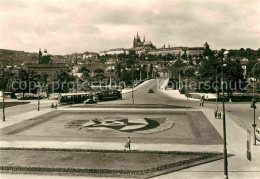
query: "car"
90, 101
150, 91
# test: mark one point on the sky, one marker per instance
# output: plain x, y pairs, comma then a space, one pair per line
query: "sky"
67, 26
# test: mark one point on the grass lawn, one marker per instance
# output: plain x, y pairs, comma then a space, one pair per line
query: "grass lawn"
10, 104
85, 162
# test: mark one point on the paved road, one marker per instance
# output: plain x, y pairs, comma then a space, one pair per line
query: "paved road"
241, 113
25, 108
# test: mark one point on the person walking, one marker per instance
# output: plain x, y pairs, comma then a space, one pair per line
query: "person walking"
128, 144
216, 113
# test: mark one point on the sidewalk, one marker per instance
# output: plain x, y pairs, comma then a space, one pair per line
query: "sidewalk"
135, 88
176, 94
238, 165
19, 113
173, 93
22, 117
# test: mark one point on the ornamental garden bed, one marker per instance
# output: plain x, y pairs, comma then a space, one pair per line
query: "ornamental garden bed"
106, 163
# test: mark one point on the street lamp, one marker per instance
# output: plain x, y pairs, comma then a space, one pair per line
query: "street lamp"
254, 100
133, 86
217, 86
179, 79
224, 119
38, 89
3, 83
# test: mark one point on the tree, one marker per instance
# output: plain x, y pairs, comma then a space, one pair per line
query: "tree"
85, 74
63, 81
151, 70
84, 69
100, 77
233, 74
118, 70
190, 72
6, 80
126, 77
184, 56
99, 70
249, 67
26, 81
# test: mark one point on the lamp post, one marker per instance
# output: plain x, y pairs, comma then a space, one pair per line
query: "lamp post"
224, 120
217, 86
38, 98
133, 87
254, 125
179, 79
3, 80
140, 75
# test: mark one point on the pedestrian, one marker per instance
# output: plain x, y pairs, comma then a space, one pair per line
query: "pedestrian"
128, 144
216, 113
52, 106
219, 115
230, 101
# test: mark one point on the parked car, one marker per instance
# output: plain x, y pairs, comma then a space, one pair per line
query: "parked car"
150, 91
90, 101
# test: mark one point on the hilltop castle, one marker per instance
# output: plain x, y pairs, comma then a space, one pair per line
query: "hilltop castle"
139, 43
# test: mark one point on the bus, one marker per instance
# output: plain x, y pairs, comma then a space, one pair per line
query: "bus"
76, 98
110, 94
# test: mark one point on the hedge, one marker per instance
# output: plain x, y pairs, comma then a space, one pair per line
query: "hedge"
111, 151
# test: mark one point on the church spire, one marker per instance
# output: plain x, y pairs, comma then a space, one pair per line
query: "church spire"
76, 58
134, 42
40, 55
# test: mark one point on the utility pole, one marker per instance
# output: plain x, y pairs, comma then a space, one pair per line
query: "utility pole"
140, 75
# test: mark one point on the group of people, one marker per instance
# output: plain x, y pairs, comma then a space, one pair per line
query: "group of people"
54, 106
201, 101
217, 114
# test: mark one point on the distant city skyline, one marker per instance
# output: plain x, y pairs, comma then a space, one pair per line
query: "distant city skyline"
64, 27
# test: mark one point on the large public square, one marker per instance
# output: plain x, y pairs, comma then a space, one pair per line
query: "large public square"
151, 123
130, 89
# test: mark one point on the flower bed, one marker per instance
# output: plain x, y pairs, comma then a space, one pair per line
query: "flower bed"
195, 157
